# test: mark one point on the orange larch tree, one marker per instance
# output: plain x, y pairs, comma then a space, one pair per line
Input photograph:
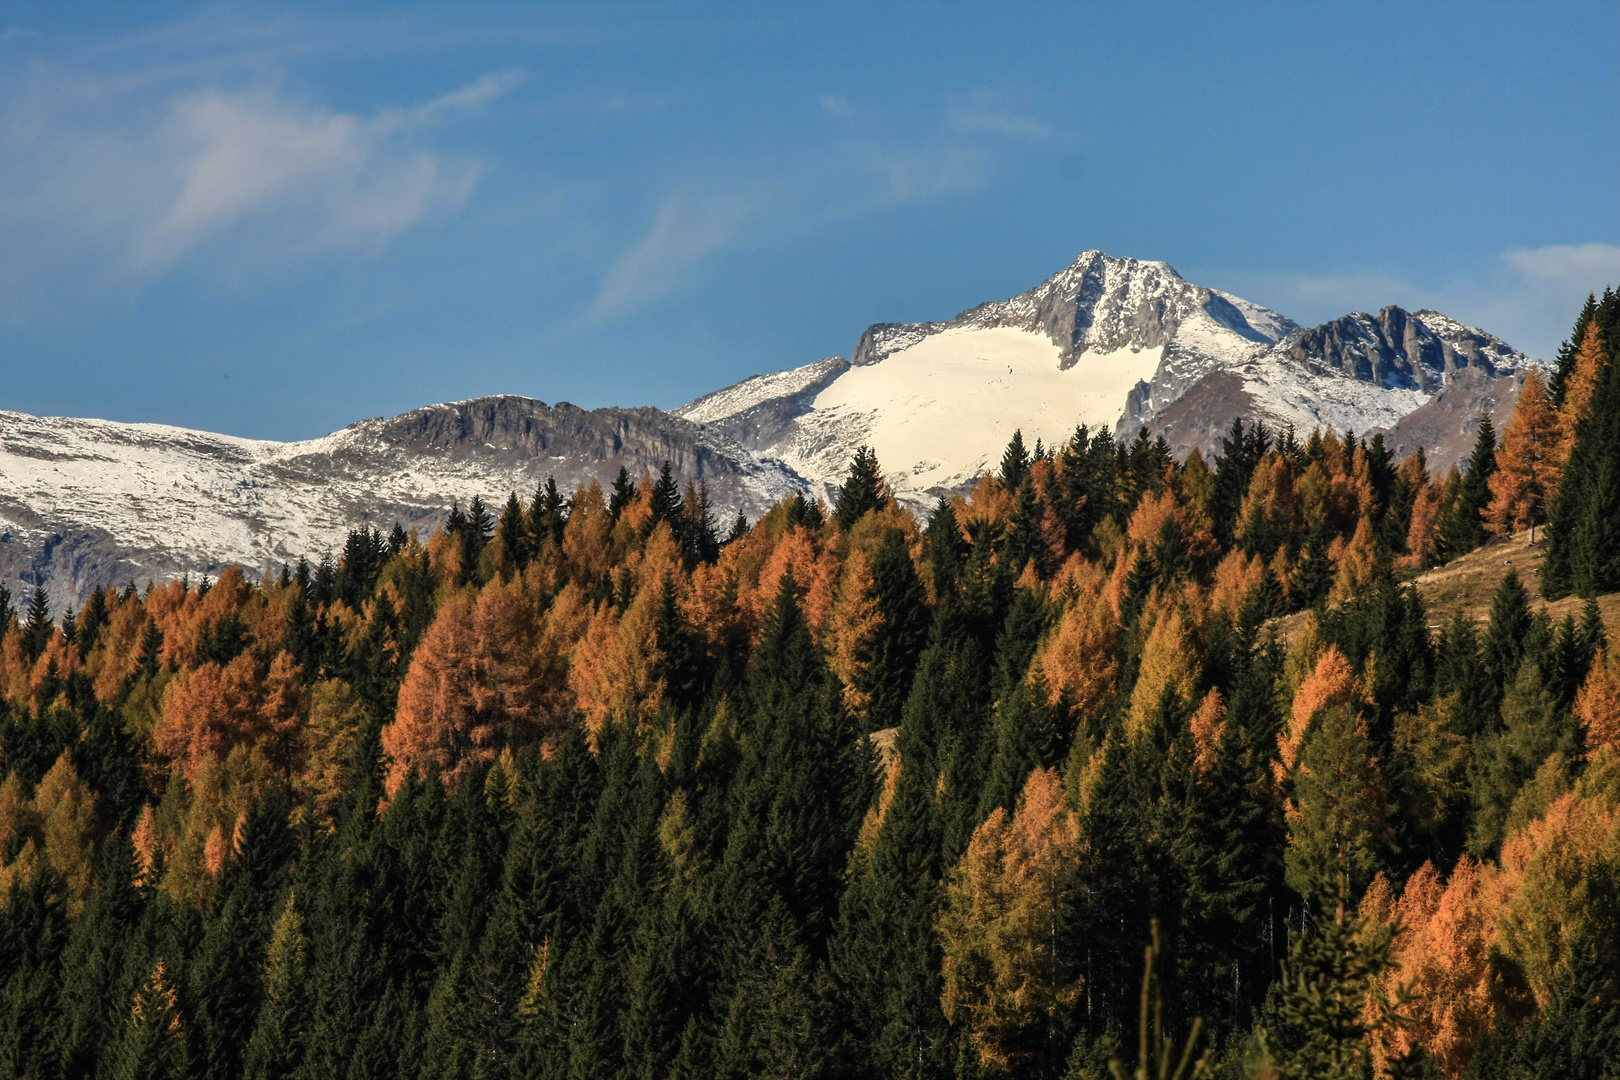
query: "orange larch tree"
1527, 462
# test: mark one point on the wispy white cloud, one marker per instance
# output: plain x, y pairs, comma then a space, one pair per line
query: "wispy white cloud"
991, 122
159, 186
1529, 297
834, 104
684, 232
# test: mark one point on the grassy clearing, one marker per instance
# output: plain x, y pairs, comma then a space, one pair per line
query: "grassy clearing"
1467, 585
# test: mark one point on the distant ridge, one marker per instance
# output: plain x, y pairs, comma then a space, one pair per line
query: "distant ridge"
1111, 341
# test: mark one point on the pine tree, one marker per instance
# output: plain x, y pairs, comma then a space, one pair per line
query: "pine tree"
1507, 634
93, 992
903, 604
623, 493
665, 500
277, 1045
37, 628
1338, 829
1326, 1006
1024, 544
1569, 347
224, 975
1014, 462
512, 532
944, 547
1462, 529
1583, 530
152, 1045
1533, 729
863, 489
1241, 451
548, 515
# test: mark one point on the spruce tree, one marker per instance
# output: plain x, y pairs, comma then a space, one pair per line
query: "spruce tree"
863, 489
152, 1045
665, 501
1462, 529
623, 493
1583, 530
224, 976
513, 533
277, 1045
1024, 544
1014, 462
37, 628
903, 603
103, 943
1507, 634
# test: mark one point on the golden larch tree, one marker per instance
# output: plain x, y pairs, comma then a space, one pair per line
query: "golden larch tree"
1527, 462
1004, 976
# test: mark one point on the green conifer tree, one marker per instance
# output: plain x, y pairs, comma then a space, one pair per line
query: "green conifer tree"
1014, 462
863, 489
1462, 528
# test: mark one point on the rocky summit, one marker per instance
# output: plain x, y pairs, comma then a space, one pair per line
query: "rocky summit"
1120, 342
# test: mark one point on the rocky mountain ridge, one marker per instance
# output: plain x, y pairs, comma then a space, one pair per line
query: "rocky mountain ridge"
1123, 342
1148, 349
93, 502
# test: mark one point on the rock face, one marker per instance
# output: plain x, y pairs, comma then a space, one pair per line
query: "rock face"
1107, 341
90, 502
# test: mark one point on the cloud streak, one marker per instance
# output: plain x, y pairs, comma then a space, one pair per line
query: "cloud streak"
684, 232
213, 161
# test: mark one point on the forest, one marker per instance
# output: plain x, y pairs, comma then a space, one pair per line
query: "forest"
1112, 765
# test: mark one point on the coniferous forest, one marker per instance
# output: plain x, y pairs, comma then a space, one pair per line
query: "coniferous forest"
592, 785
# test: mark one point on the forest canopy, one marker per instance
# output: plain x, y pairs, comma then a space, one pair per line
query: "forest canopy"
593, 785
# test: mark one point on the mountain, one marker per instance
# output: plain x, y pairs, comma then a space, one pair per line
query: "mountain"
92, 502
1107, 341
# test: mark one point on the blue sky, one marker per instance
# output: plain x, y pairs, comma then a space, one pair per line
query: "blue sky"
274, 220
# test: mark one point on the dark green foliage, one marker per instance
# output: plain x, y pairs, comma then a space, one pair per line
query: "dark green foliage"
903, 603
863, 489
944, 547
665, 500
1583, 529
1577, 1037
1462, 528
1240, 454
1533, 730
512, 529
1316, 1021
37, 627
1024, 544
33, 934
548, 516
622, 494
1014, 462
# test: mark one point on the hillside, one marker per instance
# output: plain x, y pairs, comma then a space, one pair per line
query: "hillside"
1467, 584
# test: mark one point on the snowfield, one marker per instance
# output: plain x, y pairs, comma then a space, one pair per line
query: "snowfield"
940, 412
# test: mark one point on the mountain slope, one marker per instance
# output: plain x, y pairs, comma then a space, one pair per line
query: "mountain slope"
93, 502
1121, 342
1116, 342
